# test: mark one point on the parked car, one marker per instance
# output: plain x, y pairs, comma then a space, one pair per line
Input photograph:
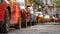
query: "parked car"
54, 19
23, 12
36, 17
9, 15
58, 16
47, 18
58, 19
41, 18
28, 18
32, 15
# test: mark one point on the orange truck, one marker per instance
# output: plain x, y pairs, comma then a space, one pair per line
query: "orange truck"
9, 15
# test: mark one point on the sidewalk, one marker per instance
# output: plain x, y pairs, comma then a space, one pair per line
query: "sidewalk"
50, 23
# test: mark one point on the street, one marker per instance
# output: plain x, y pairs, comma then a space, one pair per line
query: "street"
38, 29
36, 16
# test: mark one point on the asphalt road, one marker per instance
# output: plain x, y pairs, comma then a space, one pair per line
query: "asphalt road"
37, 29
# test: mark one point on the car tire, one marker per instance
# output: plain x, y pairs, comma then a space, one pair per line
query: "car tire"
18, 26
6, 24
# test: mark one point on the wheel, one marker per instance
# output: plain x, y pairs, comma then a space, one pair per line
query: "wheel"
29, 23
32, 22
18, 26
42, 22
24, 24
5, 27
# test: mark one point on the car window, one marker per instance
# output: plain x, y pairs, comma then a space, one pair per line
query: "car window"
53, 17
47, 16
36, 14
41, 15
21, 2
31, 9
1, 1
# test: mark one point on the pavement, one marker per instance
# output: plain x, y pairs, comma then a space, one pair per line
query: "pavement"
37, 29
50, 23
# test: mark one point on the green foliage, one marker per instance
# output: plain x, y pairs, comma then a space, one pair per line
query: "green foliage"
32, 1
57, 2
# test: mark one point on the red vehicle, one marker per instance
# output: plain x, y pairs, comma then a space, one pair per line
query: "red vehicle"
9, 15
23, 18
54, 19
28, 18
23, 12
32, 14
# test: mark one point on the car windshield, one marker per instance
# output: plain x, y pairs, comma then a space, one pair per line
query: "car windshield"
53, 17
36, 14
41, 15
21, 2
47, 16
31, 9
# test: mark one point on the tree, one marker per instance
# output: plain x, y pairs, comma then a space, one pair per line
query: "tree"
34, 1
57, 3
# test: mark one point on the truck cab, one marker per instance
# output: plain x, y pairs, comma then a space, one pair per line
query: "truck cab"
9, 15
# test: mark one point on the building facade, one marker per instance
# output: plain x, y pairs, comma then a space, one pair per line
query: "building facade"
49, 7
